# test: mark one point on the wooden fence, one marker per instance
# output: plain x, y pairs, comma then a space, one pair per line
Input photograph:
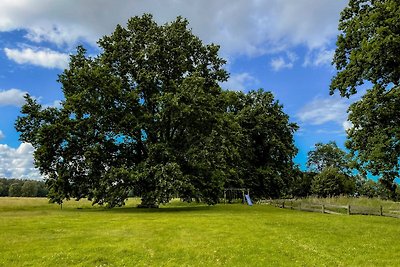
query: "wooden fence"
332, 209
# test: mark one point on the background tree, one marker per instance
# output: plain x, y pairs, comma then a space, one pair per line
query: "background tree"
331, 182
327, 155
369, 188
301, 182
367, 50
3, 191
333, 174
22, 187
42, 189
266, 146
15, 190
29, 189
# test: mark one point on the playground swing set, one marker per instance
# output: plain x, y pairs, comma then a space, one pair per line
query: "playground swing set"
231, 194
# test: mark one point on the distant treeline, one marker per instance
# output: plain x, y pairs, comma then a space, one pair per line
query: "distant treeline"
22, 188
330, 183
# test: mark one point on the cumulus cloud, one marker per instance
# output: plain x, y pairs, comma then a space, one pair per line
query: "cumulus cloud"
249, 27
12, 97
18, 162
42, 57
240, 82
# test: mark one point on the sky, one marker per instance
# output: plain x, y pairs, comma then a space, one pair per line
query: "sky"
285, 47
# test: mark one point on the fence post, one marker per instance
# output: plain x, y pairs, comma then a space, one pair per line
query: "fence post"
348, 210
381, 210
291, 204
283, 204
300, 206
323, 208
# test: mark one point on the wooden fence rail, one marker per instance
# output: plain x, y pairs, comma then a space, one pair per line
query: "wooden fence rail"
332, 209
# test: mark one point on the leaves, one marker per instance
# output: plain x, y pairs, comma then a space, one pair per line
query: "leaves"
147, 116
368, 51
327, 155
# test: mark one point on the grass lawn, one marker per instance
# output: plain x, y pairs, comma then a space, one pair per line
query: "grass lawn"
34, 233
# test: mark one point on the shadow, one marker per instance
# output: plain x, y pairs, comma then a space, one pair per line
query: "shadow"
136, 210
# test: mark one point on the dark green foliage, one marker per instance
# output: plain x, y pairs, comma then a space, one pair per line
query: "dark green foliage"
265, 144
3, 190
333, 172
15, 190
369, 188
332, 182
368, 50
327, 155
141, 115
147, 117
29, 189
368, 47
375, 138
300, 185
25, 188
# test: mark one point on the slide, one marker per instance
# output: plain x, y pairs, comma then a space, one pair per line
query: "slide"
248, 200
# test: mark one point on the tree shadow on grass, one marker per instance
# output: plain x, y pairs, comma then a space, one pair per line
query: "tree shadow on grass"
162, 209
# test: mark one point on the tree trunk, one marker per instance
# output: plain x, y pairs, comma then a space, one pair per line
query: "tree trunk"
148, 202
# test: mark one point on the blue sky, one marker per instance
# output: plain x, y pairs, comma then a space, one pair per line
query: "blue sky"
282, 46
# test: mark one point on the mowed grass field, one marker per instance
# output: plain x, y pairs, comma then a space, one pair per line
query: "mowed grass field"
35, 233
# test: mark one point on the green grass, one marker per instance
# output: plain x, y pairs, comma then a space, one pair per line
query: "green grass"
34, 233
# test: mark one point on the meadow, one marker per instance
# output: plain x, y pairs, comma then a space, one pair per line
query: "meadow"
35, 233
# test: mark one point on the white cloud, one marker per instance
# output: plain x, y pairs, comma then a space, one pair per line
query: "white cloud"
240, 82
54, 104
12, 97
319, 57
278, 64
40, 57
18, 162
281, 63
331, 109
247, 27
2, 135
323, 110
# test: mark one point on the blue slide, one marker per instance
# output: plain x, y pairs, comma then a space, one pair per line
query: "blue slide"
248, 200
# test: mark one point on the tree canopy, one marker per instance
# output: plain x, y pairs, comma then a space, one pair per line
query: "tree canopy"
368, 46
368, 51
332, 170
147, 117
327, 155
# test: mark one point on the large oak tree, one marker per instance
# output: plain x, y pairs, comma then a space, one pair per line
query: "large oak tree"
147, 116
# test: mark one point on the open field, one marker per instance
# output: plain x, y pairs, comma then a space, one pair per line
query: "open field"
34, 233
